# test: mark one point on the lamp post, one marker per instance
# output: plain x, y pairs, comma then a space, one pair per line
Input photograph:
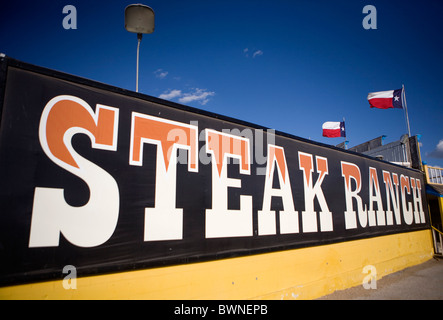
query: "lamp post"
139, 19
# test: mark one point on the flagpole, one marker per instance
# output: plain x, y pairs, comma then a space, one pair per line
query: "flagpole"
346, 147
406, 109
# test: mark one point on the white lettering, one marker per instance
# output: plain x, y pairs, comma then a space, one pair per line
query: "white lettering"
93, 223
419, 214
309, 216
390, 183
266, 216
164, 221
373, 184
351, 171
191, 310
237, 309
407, 208
220, 221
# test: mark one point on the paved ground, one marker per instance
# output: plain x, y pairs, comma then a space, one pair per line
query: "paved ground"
422, 282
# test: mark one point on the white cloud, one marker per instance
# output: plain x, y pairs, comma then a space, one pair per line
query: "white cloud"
200, 95
160, 73
257, 53
438, 151
170, 95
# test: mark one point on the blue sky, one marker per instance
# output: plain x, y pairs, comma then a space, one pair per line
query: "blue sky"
286, 65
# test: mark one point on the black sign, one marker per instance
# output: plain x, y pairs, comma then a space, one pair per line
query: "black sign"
108, 180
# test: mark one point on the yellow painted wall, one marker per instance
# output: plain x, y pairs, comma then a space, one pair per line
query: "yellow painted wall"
440, 205
306, 273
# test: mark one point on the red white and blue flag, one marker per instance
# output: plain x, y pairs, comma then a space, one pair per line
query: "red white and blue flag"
386, 99
333, 129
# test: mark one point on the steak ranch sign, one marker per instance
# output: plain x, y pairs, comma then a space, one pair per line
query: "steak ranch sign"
106, 181
94, 223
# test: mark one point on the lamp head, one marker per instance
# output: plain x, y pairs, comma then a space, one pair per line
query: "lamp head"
139, 18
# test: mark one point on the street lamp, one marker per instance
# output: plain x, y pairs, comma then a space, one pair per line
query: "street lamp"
139, 19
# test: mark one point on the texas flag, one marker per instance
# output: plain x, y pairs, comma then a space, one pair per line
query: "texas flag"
333, 129
385, 99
